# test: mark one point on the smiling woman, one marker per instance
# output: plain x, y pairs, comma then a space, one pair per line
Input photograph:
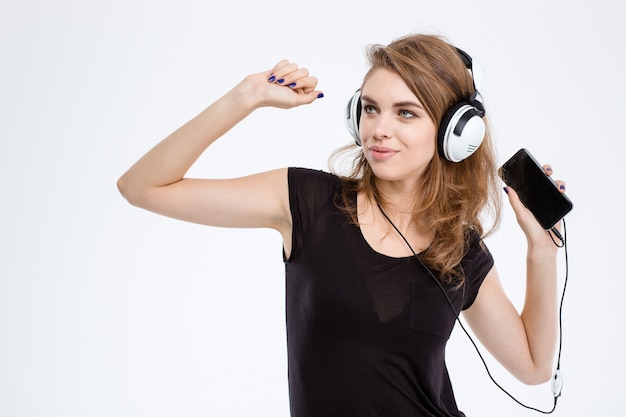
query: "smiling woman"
437, 80
379, 263
397, 133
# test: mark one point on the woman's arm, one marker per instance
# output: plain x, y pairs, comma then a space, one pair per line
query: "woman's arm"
156, 181
524, 343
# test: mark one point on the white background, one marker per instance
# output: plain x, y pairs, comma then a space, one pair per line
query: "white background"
108, 310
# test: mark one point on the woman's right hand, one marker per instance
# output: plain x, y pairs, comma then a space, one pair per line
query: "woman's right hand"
284, 86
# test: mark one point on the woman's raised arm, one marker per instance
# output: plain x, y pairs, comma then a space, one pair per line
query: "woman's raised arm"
156, 182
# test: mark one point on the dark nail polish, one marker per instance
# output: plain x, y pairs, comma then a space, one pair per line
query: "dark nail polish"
282, 80
561, 187
271, 79
506, 189
292, 85
320, 95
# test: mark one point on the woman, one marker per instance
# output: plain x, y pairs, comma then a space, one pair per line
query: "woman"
379, 264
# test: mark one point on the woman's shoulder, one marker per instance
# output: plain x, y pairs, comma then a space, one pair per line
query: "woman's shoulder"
312, 179
474, 244
312, 173
477, 259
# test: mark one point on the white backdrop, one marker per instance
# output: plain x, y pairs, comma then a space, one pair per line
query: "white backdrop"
108, 310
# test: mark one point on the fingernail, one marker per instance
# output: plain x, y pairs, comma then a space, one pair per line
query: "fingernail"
292, 85
320, 95
561, 187
272, 79
282, 80
506, 189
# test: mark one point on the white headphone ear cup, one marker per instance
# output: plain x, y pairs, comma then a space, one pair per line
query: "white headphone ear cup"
461, 132
353, 114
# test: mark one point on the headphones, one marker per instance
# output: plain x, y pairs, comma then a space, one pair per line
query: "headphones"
462, 128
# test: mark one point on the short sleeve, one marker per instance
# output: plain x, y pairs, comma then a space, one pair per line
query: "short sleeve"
310, 191
476, 265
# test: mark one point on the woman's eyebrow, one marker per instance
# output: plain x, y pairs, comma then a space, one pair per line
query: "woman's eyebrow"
406, 103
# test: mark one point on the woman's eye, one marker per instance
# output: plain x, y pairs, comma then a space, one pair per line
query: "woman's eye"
369, 109
407, 114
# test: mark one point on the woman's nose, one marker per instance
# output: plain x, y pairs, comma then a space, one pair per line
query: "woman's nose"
381, 128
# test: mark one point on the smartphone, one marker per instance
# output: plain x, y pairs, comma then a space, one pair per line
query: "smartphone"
536, 190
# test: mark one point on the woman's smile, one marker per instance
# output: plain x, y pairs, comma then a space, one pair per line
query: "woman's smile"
380, 153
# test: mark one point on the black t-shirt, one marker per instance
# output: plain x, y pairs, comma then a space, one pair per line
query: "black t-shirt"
366, 333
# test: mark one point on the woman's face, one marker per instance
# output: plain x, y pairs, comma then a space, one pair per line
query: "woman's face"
398, 136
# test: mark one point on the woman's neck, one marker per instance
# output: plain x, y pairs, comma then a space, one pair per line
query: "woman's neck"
386, 227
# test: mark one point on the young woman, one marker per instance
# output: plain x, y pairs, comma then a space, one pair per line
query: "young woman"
381, 262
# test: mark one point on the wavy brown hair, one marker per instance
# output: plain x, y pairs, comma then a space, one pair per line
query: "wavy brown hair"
453, 196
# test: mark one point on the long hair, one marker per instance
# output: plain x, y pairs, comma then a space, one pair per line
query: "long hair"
454, 196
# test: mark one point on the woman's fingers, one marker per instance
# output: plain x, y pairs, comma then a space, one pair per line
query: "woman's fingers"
290, 75
559, 183
297, 80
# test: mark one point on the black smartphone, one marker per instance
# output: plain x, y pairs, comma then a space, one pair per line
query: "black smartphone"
536, 190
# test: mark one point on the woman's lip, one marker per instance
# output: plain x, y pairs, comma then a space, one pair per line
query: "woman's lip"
381, 152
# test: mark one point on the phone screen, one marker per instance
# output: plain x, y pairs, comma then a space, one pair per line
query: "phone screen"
536, 190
